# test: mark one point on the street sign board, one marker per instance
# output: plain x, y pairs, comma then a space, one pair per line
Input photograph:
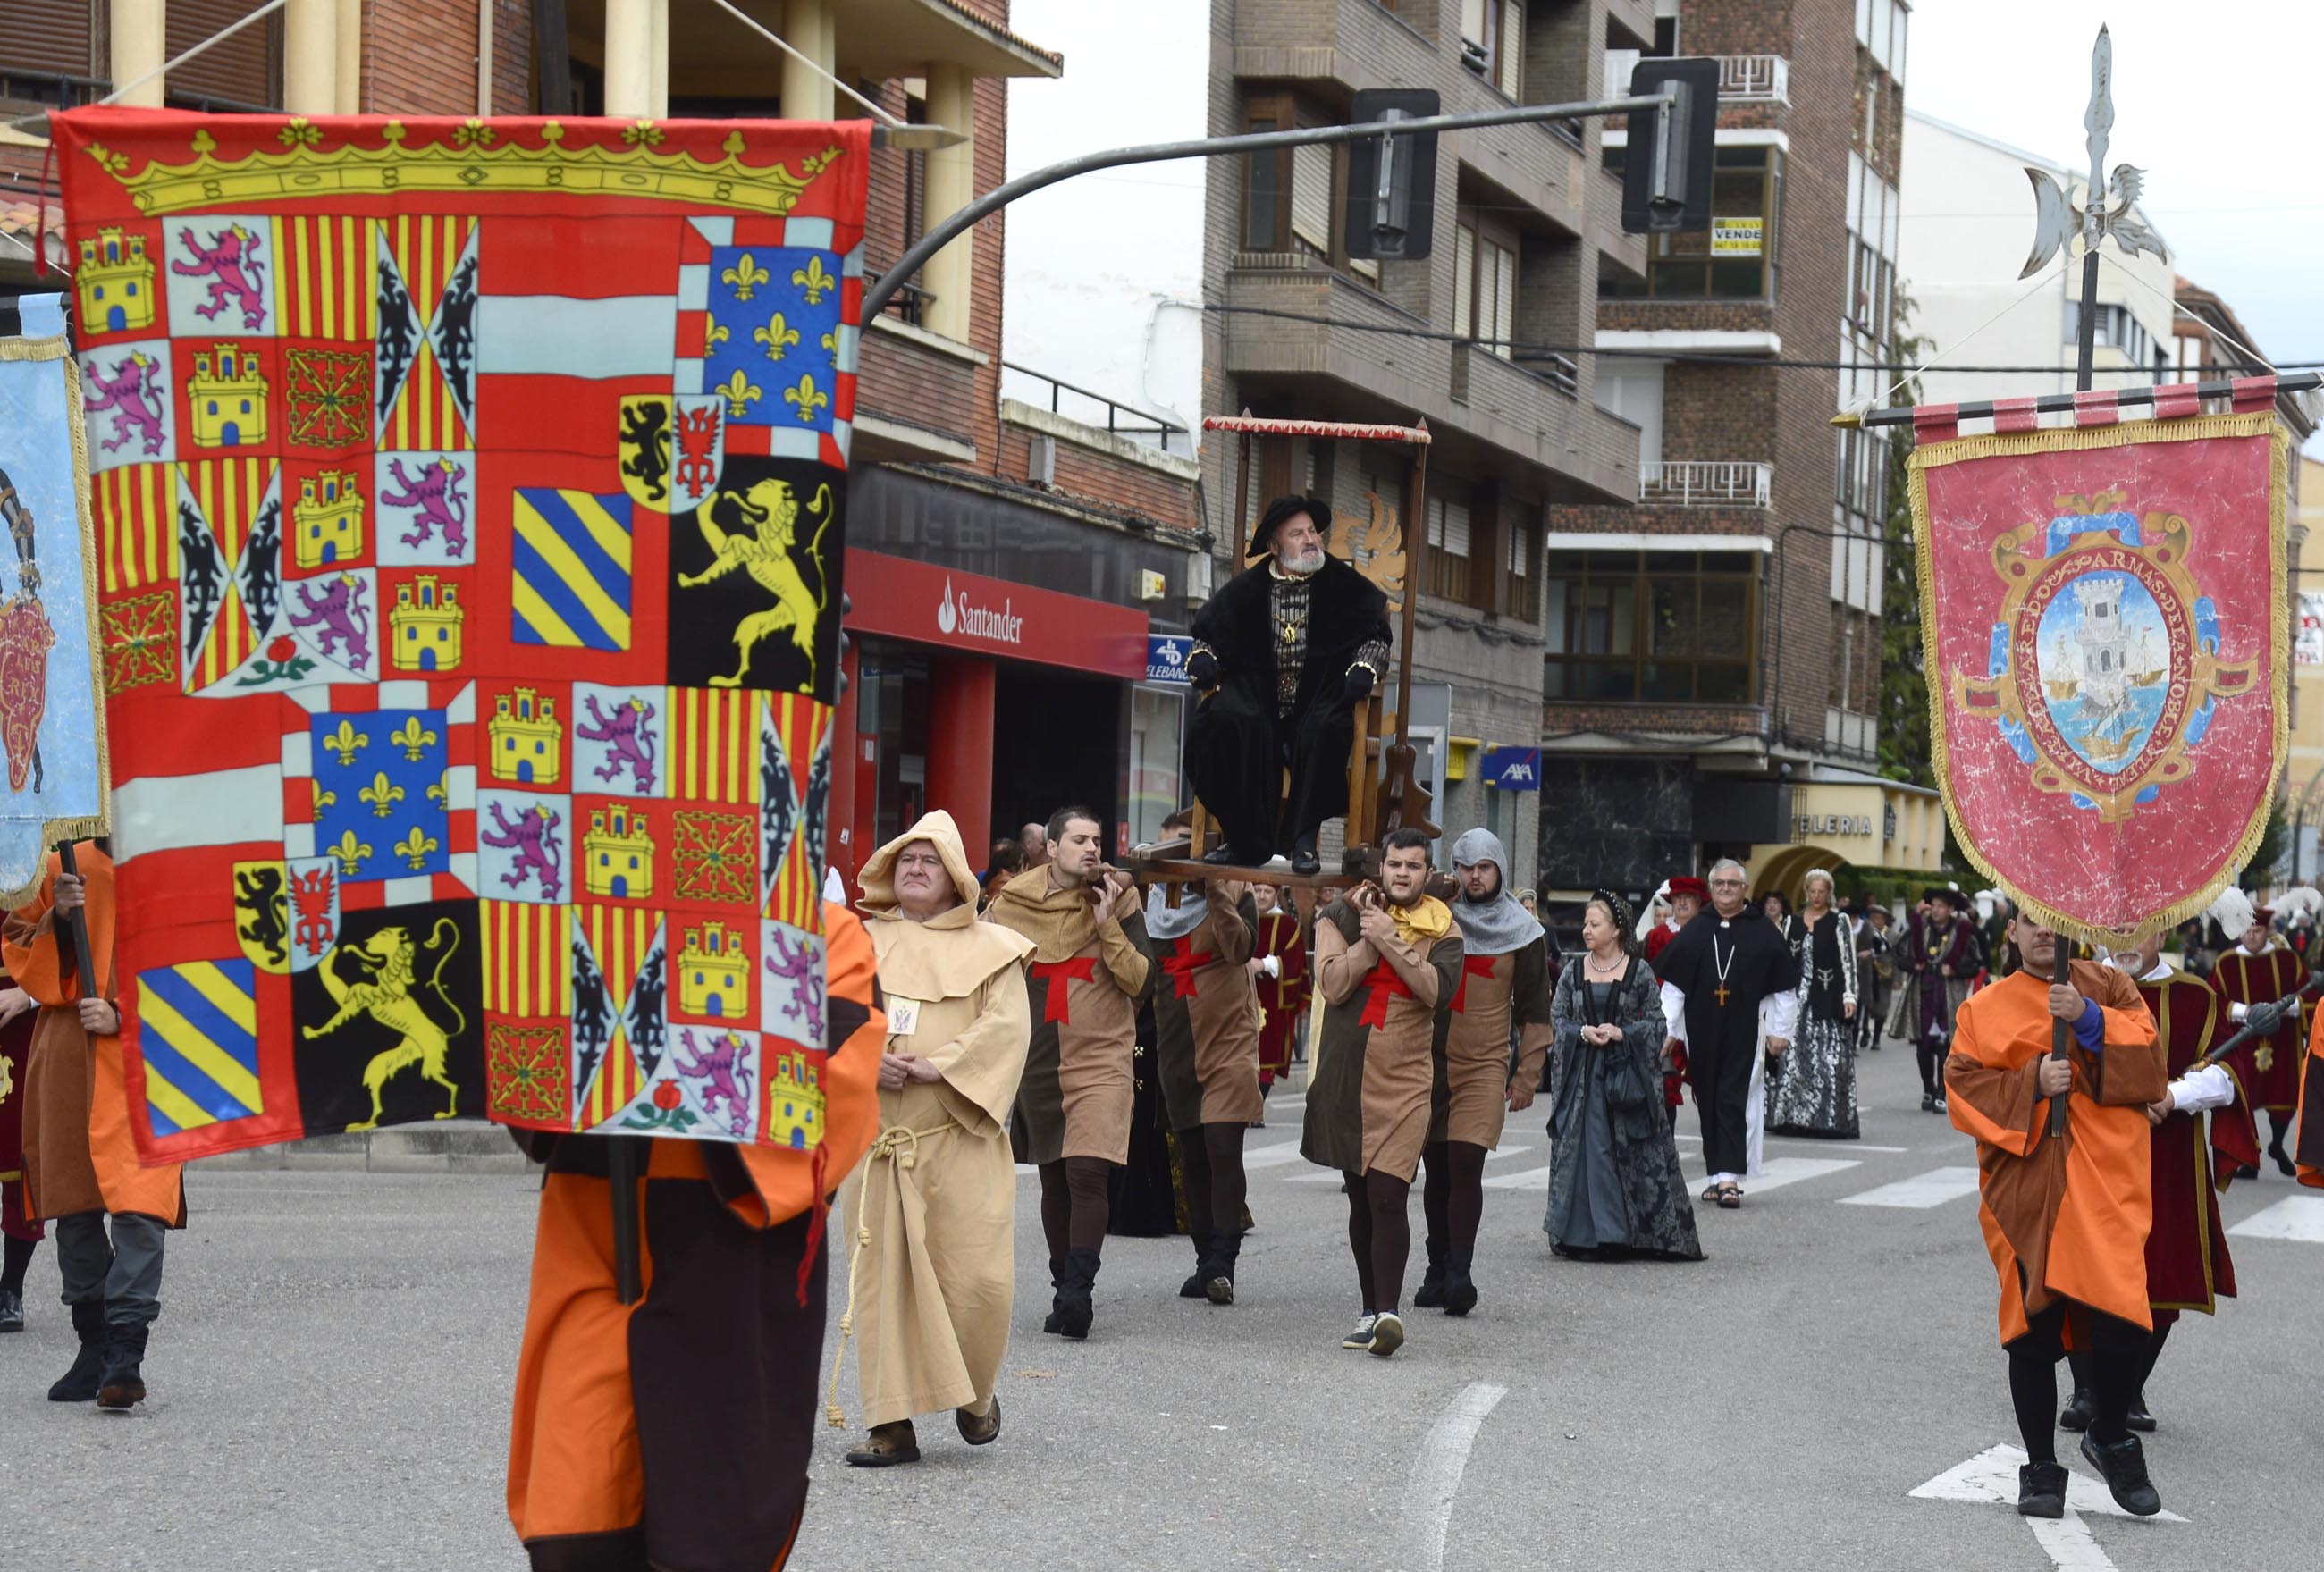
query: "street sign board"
1513, 769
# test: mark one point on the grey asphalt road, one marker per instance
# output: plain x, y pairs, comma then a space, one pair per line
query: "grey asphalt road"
331, 1376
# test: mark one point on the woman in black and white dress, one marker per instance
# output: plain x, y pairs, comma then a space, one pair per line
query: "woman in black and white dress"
1815, 1095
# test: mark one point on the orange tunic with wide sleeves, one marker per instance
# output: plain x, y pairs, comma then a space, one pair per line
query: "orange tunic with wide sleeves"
2071, 1215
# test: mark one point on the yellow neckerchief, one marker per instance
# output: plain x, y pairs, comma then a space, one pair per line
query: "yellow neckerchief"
1423, 923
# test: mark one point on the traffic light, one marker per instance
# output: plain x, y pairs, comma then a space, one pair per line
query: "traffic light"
1667, 175
1391, 179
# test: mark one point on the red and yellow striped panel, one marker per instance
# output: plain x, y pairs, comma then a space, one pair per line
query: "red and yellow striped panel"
136, 526
329, 277
528, 959
800, 724
618, 1081
427, 248
426, 414
713, 755
620, 937
229, 492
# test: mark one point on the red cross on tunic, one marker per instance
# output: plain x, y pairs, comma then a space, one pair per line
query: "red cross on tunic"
1472, 966
1385, 985
1182, 966
1061, 975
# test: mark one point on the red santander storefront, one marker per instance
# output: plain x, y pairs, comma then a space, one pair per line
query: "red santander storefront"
996, 702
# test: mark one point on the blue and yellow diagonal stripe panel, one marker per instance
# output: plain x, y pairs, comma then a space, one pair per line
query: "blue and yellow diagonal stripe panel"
198, 1031
572, 569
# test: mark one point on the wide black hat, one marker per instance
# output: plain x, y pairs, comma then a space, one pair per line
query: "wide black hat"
1283, 509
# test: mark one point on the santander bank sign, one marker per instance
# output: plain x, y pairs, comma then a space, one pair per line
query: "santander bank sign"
957, 615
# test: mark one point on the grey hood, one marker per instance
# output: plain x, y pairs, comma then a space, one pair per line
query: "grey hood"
1499, 926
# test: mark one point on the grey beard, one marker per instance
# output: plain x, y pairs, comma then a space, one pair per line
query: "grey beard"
1301, 565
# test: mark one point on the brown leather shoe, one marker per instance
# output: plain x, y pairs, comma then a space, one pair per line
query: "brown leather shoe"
890, 1445
979, 1432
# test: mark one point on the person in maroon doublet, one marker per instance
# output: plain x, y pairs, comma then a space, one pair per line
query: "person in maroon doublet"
20, 1232
2261, 968
2187, 1264
1283, 986
1687, 894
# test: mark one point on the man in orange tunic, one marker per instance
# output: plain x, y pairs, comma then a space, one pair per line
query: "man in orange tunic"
80, 1164
2066, 1220
675, 1431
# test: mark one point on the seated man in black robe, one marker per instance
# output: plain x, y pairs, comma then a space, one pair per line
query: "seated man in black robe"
1285, 651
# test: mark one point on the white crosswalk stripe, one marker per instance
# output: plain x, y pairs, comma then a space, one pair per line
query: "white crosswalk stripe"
1273, 1157
1506, 1182
1783, 1170
2296, 1217
1922, 1191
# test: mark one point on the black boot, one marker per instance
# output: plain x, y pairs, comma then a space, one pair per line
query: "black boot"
1193, 1288
2283, 1162
1430, 1294
2124, 1464
79, 1384
1056, 1321
121, 1385
1303, 861
1460, 1292
1075, 1305
2077, 1414
12, 1310
2140, 1417
1217, 1285
2042, 1489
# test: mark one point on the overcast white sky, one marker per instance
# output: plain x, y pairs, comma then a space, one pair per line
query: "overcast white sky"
2228, 179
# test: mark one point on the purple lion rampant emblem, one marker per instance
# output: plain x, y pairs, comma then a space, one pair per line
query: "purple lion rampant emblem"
130, 395
339, 616
721, 1067
532, 836
436, 500
629, 745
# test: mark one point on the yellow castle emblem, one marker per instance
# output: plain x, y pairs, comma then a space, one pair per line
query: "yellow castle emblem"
795, 1101
228, 395
328, 519
525, 738
617, 854
114, 281
423, 628
712, 971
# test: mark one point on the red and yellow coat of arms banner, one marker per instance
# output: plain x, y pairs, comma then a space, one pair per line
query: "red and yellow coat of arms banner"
470, 502
2105, 618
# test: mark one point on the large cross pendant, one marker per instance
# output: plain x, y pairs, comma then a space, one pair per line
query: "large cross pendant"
1722, 991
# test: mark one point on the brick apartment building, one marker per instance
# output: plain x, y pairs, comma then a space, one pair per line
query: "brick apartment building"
1002, 558
1525, 221
1713, 651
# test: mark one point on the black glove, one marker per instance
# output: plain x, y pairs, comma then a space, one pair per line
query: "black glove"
1357, 684
2264, 1020
1203, 669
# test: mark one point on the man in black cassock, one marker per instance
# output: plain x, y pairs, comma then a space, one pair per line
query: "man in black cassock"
1285, 652
1728, 981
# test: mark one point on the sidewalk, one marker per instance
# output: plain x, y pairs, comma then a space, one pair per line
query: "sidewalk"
452, 1146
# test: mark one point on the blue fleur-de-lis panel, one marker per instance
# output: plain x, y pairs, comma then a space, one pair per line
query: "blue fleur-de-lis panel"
773, 310
380, 808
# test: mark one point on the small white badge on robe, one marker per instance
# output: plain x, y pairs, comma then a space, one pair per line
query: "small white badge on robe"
903, 1016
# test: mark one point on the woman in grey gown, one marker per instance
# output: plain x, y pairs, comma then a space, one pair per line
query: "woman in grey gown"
1615, 1188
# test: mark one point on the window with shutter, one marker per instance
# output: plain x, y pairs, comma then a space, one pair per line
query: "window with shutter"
1498, 296
1311, 197
1448, 549
1464, 281
245, 70
1508, 49
44, 37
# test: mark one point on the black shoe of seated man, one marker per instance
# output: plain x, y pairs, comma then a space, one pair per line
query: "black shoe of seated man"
80, 1384
2042, 1490
1222, 855
1303, 861
2140, 1417
2076, 1415
2124, 1464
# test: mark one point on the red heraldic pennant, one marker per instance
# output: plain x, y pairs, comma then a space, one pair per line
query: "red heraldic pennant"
2105, 625
470, 498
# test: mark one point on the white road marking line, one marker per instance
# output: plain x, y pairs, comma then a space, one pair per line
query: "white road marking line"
1783, 1170
1324, 1175
1025, 1168
1992, 1477
2296, 1217
1437, 1472
1523, 1181
1321, 1176
1274, 1156
1509, 1151
1802, 1141
1922, 1191
2069, 1543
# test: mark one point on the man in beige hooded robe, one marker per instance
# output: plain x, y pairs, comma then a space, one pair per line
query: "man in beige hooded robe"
934, 1204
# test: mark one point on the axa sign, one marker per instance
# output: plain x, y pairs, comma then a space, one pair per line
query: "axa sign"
957, 615
1514, 770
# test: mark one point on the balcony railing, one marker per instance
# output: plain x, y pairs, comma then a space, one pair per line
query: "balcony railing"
1147, 429
1699, 483
1744, 78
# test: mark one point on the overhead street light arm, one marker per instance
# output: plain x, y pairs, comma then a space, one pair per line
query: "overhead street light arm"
876, 298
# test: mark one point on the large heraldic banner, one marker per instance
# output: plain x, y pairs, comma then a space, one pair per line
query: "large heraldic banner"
469, 499
2106, 619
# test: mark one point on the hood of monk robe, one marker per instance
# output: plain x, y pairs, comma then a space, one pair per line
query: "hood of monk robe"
41, 968
1497, 926
1423, 923
950, 955
1060, 923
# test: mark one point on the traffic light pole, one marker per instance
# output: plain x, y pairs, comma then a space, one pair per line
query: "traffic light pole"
876, 298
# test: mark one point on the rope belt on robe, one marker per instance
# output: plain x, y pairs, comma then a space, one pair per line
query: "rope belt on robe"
1182, 967
902, 1148
1472, 966
1385, 985
1055, 1002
